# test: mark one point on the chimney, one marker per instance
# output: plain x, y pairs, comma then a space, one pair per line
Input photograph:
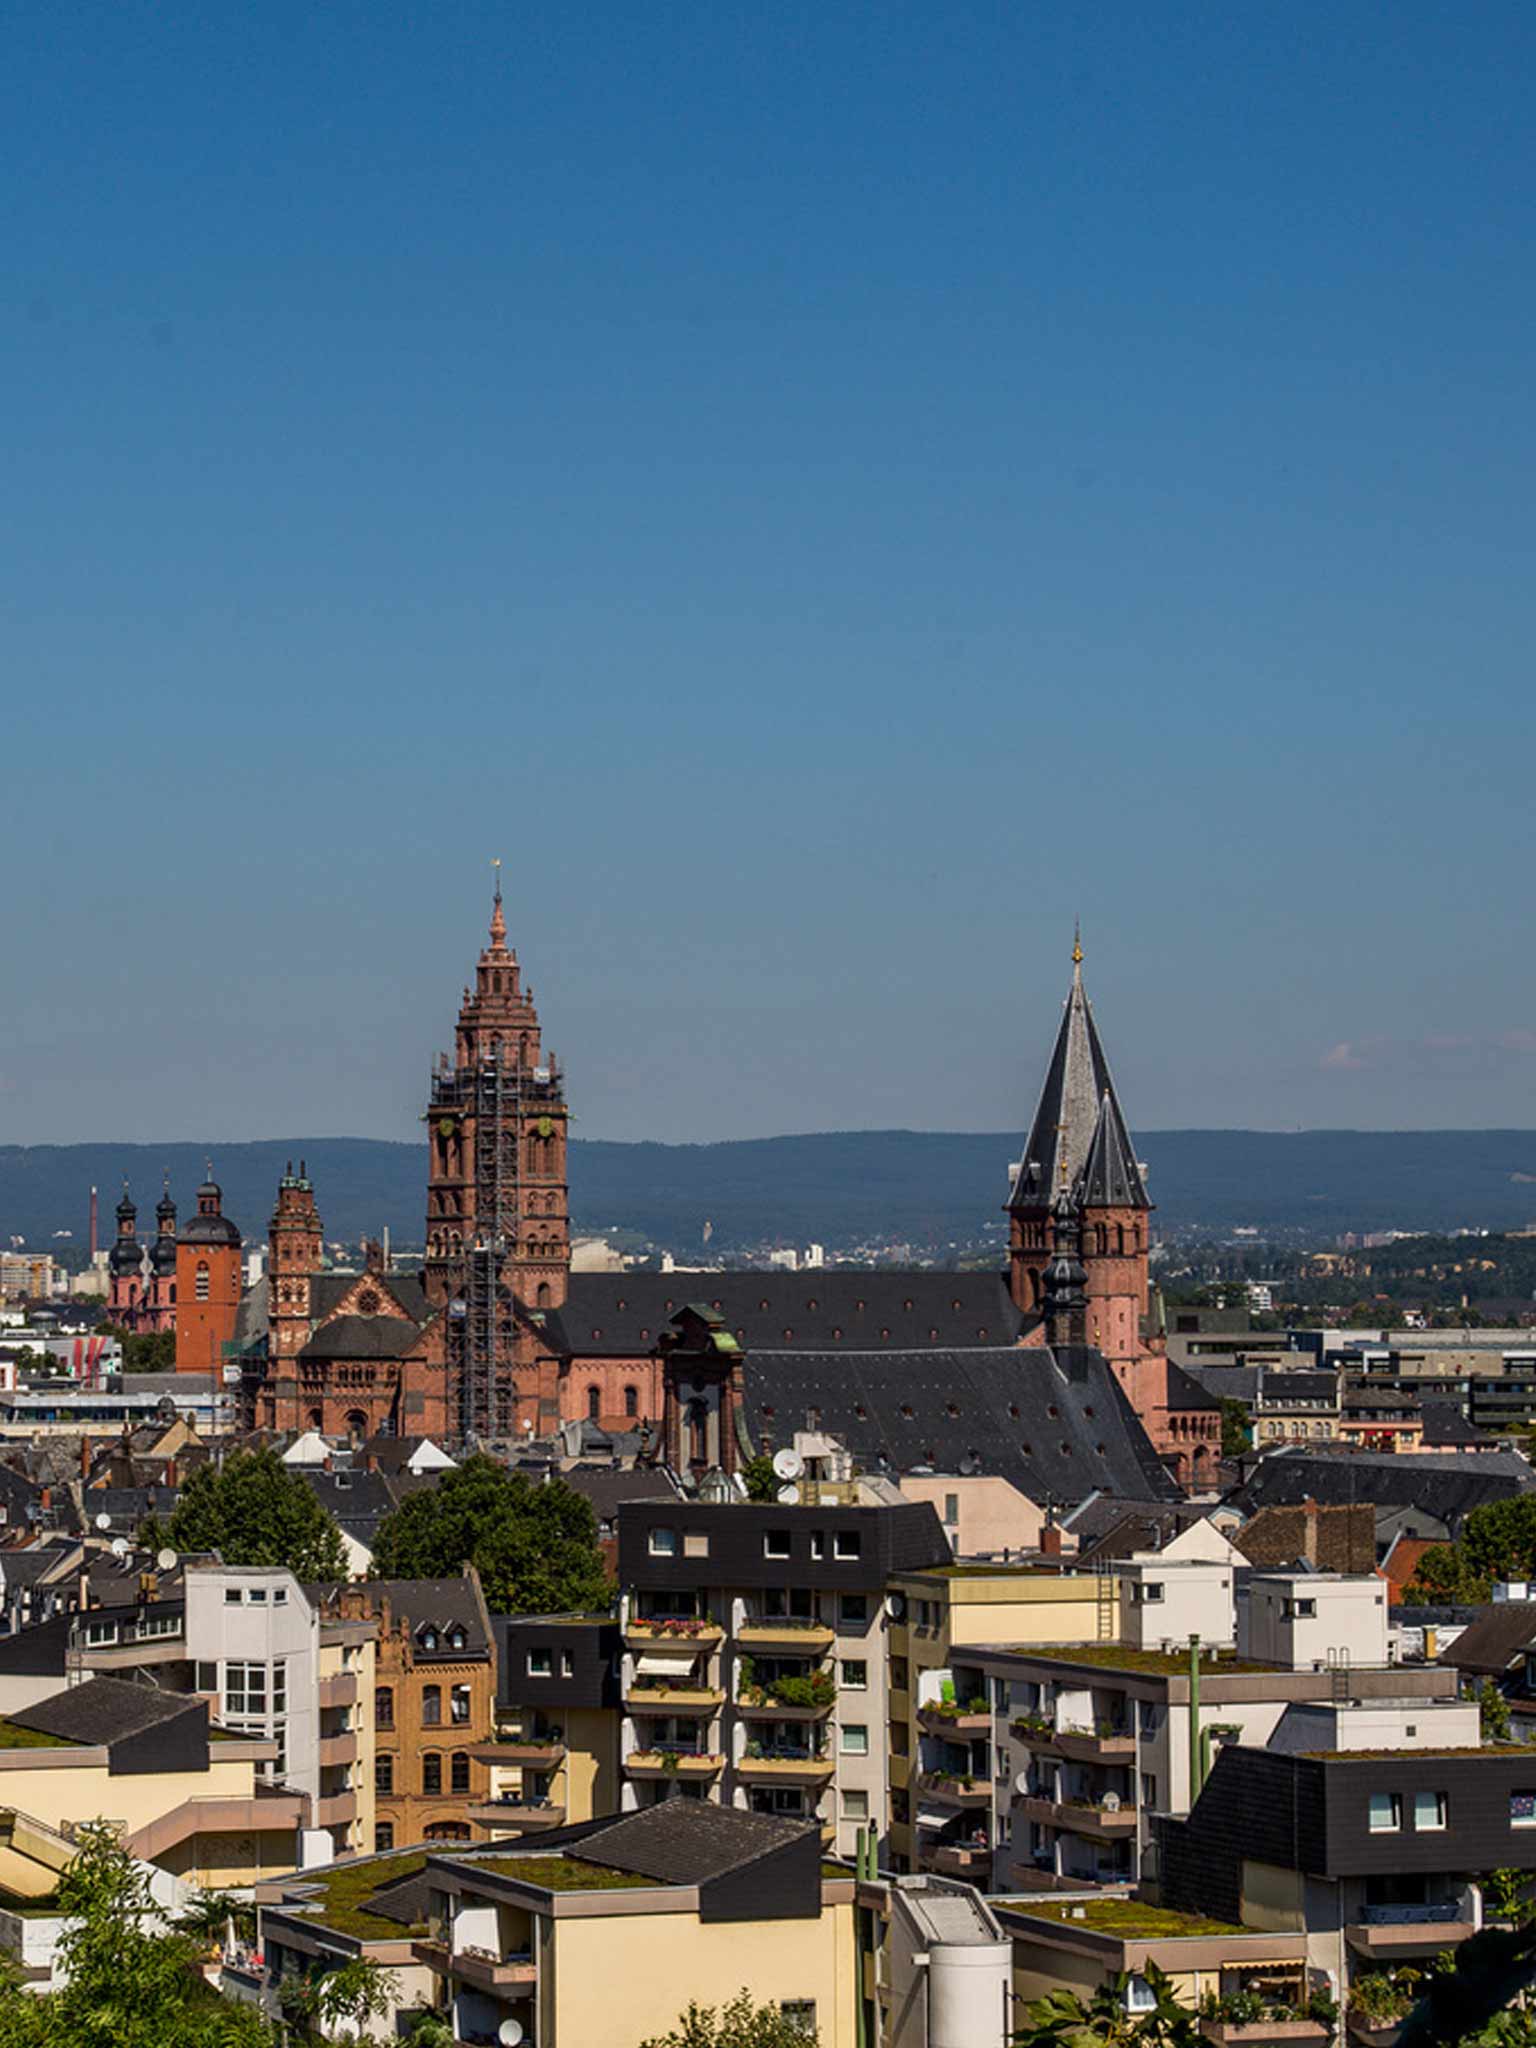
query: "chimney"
85, 1459
1050, 1540
45, 1498
1309, 1539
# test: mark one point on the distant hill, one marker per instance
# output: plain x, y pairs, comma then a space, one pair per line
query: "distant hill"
841, 1188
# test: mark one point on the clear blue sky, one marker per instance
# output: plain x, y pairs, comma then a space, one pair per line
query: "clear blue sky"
829, 493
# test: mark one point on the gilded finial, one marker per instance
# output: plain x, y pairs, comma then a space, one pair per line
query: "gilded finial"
1077, 942
498, 919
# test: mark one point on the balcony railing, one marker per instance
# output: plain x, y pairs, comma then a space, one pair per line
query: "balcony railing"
951, 1722
1078, 1817
792, 1632
676, 1630
673, 1763
477, 1966
951, 1790
1104, 1744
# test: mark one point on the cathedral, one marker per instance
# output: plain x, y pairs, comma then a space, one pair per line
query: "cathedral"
1048, 1373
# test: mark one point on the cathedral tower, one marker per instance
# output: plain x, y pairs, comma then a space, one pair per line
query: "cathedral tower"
161, 1299
498, 1221
1078, 1148
125, 1263
208, 1276
294, 1252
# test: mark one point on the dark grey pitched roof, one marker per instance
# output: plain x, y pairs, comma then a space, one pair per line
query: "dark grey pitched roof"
328, 1290
1448, 1486
1141, 1529
1185, 1392
1492, 1641
1444, 1423
1281, 1384
363, 1337
394, 1453
126, 1506
356, 1500
442, 1604
105, 1710
1068, 1113
1056, 1424
871, 1308
1225, 1382
687, 1841
1112, 1177
607, 1488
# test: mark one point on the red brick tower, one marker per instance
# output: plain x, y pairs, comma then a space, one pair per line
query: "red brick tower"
207, 1283
294, 1251
160, 1300
498, 1220
125, 1263
1078, 1146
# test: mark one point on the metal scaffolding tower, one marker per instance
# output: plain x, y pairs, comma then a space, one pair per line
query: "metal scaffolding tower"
494, 1097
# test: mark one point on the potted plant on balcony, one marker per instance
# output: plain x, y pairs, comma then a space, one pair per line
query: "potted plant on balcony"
1380, 2000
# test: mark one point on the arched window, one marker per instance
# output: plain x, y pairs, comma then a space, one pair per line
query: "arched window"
202, 1279
631, 1400
541, 1295
357, 1425
594, 1403
458, 1771
431, 1774
447, 1831
698, 1431
383, 1706
431, 1706
457, 1640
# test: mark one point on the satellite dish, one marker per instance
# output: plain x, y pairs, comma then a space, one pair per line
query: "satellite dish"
970, 1464
787, 1496
119, 1546
103, 1521
509, 2033
1021, 1784
787, 1464
166, 1559
1110, 1802
896, 1605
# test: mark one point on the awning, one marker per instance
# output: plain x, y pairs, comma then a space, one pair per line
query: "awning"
936, 1816
666, 1663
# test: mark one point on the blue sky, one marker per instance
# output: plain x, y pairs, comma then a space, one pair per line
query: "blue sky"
828, 494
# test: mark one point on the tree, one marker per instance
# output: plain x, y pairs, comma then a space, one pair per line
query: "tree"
208, 1917
1497, 1541
253, 1510
740, 2024
1062, 2020
534, 1546
1236, 1436
340, 2003
128, 1982
146, 1351
1493, 1710
762, 1481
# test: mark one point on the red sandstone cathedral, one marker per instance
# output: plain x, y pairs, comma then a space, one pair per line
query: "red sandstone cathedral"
1048, 1374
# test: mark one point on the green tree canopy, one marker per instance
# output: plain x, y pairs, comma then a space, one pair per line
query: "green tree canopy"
1236, 1436
740, 2024
253, 1510
534, 1546
1497, 1541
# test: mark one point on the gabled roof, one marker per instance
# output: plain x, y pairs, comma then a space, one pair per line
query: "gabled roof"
1447, 1485
363, 1337
440, 1604
1112, 1176
1492, 1642
688, 1841
105, 1710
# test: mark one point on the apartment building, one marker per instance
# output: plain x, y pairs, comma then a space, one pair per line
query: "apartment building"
595, 1936
1091, 1741
555, 1756
939, 1726
754, 1667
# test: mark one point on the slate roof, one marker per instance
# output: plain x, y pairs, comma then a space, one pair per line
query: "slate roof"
1444, 1423
687, 1841
357, 1501
104, 1710
1056, 1424
442, 1603
1066, 1116
328, 1290
875, 1308
1446, 1485
1184, 1392
1142, 1529
127, 1506
1102, 1513
363, 1337
1282, 1384
1112, 1176
608, 1487
1493, 1641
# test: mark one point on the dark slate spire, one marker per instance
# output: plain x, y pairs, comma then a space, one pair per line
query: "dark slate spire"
1111, 1177
1056, 1151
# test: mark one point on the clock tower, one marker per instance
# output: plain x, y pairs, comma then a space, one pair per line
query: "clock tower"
498, 1216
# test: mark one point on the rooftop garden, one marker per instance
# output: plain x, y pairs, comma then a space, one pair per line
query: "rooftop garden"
342, 1895
1130, 1919
1153, 1663
12, 1737
562, 1873
1356, 1756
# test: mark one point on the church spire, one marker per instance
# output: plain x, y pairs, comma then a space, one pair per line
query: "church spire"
1076, 1081
1111, 1175
498, 918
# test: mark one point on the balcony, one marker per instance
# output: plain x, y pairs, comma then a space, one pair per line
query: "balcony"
938, 1721
679, 1699
541, 1752
1104, 1745
1100, 1823
338, 1749
677, 1631
950, 1860
756, 1704
785, 1767
672, 1763
338, 1810
1035, 1734
514, 1811
786, 1632
478, 1966
339, 1690
1387, 1931
949, 1790
1231, 2033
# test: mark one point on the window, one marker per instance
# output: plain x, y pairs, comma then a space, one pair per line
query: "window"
431, 1705
384, 1706
594, 1403
384, 1775
457, 1639
232, 1596
854, 1608
1148, 1789
1139, 1995
458, 1771
847, 1544
695, 1543
951, 1507
257, 1595
427, 1637
1386, 1813
855, 1672
279, 1596
818, 1545
383, 1836
1429, 1812
855, 1806
776, 1543
245, 1689
431, 1773
799, 2012
201, 1288
538, 1663
631, 1400
458, 1705
899, 1674
1146, 1591
101, 1632
567, 1667
207, 1678
855, 1739
663, 1543
1522, 1809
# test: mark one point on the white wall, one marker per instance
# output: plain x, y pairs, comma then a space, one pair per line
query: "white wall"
1298, 1619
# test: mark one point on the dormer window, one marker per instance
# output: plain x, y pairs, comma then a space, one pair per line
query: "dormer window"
428, 1637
